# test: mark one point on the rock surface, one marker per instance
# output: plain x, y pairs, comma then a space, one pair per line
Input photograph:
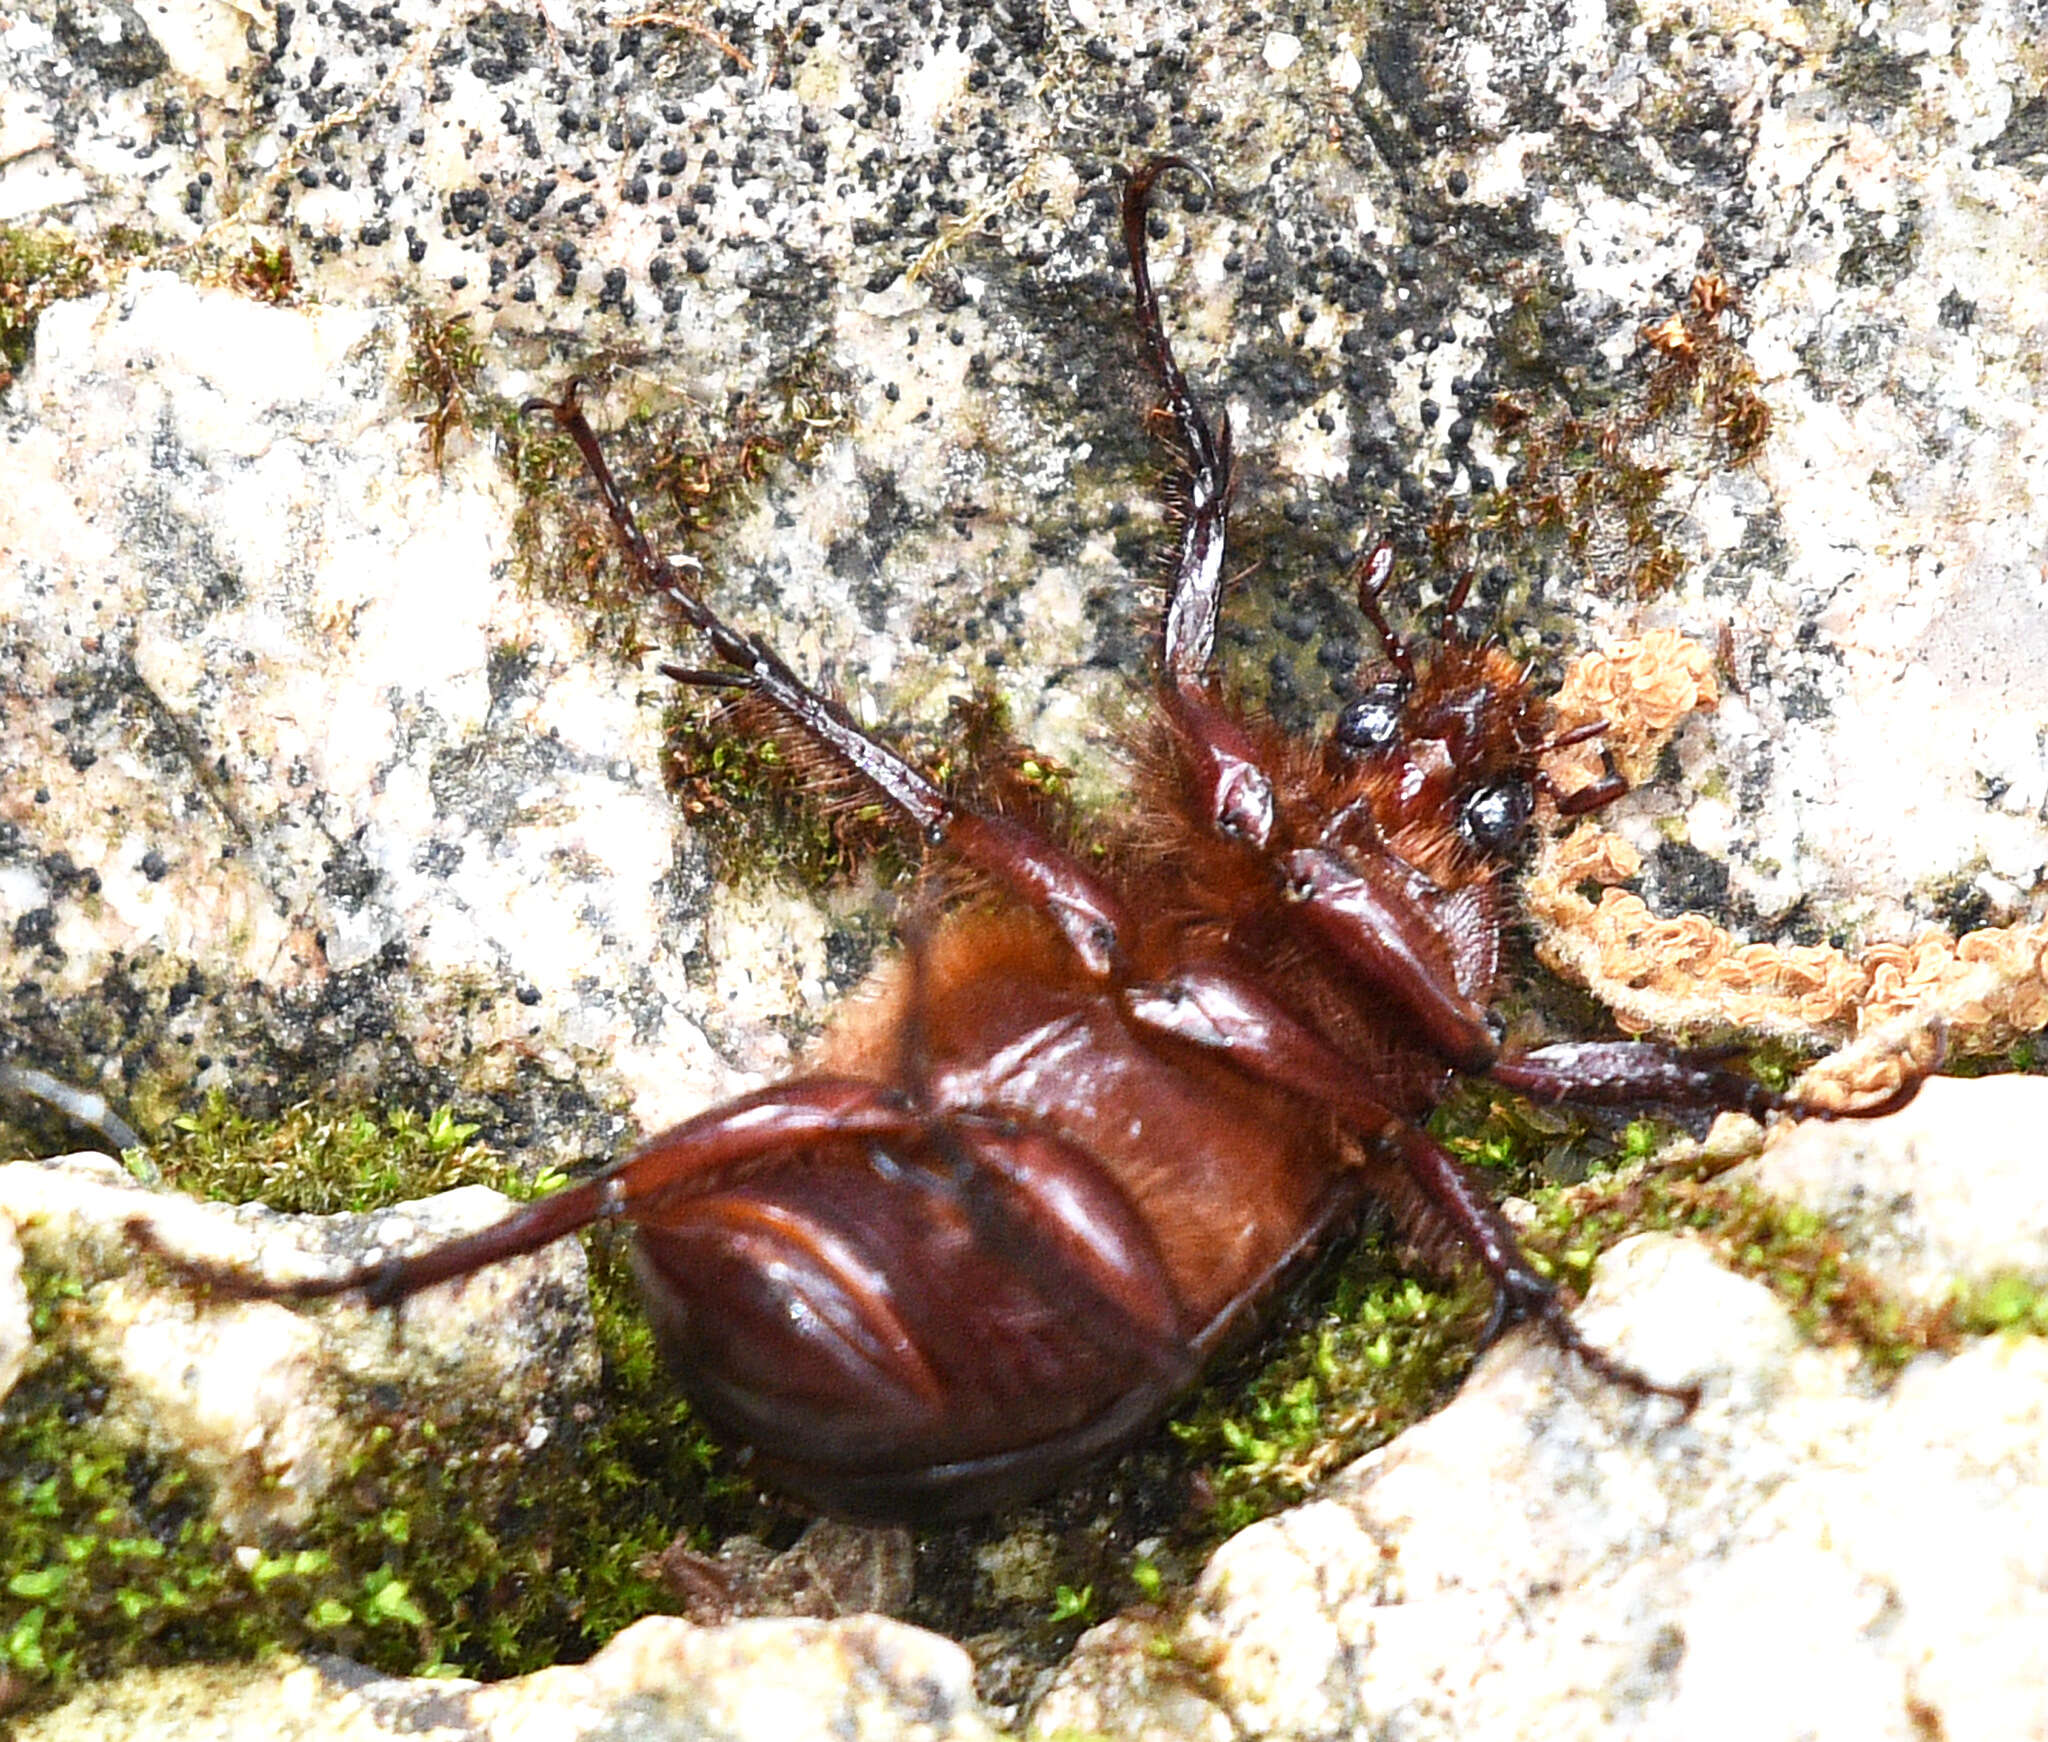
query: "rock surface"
662, 1680
1944, 1195
309, 782
1811, 1553
254, 1396
312, 787
1807, 1556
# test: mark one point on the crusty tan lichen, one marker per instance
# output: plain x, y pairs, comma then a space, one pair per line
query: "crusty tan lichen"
1897, 1006
1642, 690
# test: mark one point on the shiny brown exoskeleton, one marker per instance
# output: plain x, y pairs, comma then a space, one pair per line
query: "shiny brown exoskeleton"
1064, 1150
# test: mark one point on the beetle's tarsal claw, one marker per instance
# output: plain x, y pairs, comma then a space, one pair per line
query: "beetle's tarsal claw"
1499, 1316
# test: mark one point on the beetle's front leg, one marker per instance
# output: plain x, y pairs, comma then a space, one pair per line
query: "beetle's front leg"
1637, 1073
1373, 911
1195, 592
1630, 1073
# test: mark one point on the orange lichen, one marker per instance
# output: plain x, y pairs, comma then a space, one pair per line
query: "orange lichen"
1591, 854
1899, 1006
1642, 690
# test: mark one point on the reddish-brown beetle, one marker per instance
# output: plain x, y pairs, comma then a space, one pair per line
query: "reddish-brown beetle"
1065, 1149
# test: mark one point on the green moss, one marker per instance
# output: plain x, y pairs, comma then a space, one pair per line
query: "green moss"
2024, 1057
753, 805
690, 469
436, 1555
766, 808
267, 272
37, 268
320, 1159
2009, 1304
1379, 1352
1834, 1299
440, 377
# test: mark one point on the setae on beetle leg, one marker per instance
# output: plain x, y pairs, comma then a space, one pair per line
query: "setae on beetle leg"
1195, 593
1630, 1073
1229, 788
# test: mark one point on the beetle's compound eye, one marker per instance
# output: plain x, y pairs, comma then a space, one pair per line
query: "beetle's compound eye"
1495, 815
1370, 724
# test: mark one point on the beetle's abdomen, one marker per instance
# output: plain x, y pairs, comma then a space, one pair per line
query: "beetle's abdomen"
918, 1328
1228, 1174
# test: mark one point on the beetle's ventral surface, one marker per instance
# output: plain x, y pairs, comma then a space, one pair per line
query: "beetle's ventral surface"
1022, 1193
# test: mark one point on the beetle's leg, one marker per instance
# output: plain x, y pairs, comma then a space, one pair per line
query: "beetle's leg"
1230, 788
1219, 1008
1196, 591
1595, 794
1366, 909
1630, 1073
1372, 572
1042, 873
666, 1171
1521, 1293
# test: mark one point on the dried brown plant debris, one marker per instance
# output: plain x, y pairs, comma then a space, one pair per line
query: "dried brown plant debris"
1900, 1005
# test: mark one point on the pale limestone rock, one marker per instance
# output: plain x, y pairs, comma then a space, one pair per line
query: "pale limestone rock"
251, 1393
662, 1680
1953, 1191
247, 639
1803, 1557
15, 1331
303, 749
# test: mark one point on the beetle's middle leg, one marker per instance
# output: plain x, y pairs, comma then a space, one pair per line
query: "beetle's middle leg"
1036, 869
1215, 1005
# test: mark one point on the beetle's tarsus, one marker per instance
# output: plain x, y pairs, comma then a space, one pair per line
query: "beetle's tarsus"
1526, 1298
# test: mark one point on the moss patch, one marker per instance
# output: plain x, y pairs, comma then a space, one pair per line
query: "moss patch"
1834, 1299
1380, 1350
440, 377
1591, 476
432, 1558
37, 268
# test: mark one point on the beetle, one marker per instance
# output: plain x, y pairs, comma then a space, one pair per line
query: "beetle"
1068, 1145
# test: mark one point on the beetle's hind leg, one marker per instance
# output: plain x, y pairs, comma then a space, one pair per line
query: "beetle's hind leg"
1445, 1195
1214, 1005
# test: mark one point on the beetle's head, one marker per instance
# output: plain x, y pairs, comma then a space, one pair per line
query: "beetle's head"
1455, 745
